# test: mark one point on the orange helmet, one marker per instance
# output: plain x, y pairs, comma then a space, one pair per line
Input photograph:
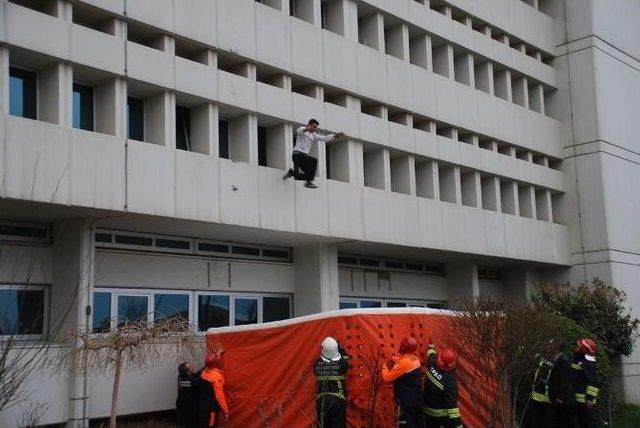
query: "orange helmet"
447, 359
213, 360
587, 347
408, 345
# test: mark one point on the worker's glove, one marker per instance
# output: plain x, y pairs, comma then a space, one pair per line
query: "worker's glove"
590, 404
225, 417
390, 363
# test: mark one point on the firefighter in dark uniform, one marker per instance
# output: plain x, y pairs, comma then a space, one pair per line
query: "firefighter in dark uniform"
584, 377
561, 391
187, 401
440, 393
540, 411
405, 373
331, 394
212, 401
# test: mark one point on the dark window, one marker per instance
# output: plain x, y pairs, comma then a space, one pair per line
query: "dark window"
22, 312
213, 311
370, 304
223, 139
369, 262
246, 251
393, 265
396, 305
246, 310
437, 305
23, 231
101, 312
213, 248
276, 254
82, 107
348, 305
22, 93
183, 128
434, 269
173, 244
103, 237
134, 240
343, 260
414, 266
135, 118
262, 146
132, 309
168, 306
275, 309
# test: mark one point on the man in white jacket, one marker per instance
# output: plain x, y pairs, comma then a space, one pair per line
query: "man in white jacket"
304, 165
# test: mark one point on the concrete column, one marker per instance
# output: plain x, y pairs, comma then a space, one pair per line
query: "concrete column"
371, 29
502, 84
350, 8
544, 208
377, 169
342, 18
518, 283
308, 10
208, 57
403, 175
464, 72
483, 73
165, 43
527, 201
471, 189
420, 51
116, 27
396, 40
427, 185
491, 194
462, 282
73, 277
4, 80
316, 279
59, 8
204, 129
536, 98
55, 87
520, 91
243, 139
159, 124
111, 111
509, 197
346, 160
450, 186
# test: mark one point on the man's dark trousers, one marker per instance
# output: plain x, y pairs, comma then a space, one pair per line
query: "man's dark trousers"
331, 412
304, 166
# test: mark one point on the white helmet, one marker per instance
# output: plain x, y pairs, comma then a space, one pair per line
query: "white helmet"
330, 349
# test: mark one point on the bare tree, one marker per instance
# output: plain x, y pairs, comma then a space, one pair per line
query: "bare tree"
501, 340
136, 344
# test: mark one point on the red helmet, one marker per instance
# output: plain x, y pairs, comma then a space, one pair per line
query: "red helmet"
587, 347
213, 360
447, 359
408, 346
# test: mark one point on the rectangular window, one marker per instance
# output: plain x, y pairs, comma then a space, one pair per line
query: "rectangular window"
22, 93
170, 306
213, 311
396, 305
101, 312
223, 139
183, 128
135, 118
82, 107
213, 248
275, 309
22, 311
348, 305
245, 310
262, 146
134, 240
370, 304
132, 309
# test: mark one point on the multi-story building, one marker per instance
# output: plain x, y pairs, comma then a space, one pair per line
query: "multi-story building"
491, 144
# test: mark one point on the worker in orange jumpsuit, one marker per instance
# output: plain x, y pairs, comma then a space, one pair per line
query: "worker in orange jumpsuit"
211, 397
405, 373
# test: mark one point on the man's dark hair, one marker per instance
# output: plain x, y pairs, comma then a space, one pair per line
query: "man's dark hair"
313, 122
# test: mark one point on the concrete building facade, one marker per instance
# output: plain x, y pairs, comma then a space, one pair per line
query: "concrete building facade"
490, 145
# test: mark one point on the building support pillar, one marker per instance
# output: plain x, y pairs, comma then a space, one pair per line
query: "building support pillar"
316, 279
462, 282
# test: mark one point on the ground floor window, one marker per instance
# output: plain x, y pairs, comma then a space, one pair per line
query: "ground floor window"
23, 311
113, 307
365, 303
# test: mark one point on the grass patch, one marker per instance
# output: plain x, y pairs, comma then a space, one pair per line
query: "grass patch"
627, 417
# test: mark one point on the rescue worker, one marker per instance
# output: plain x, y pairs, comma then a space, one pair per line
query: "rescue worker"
561, 392
440, 394
211, 397
331, 394
405, 374
186, 402
540, 411
584, 376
